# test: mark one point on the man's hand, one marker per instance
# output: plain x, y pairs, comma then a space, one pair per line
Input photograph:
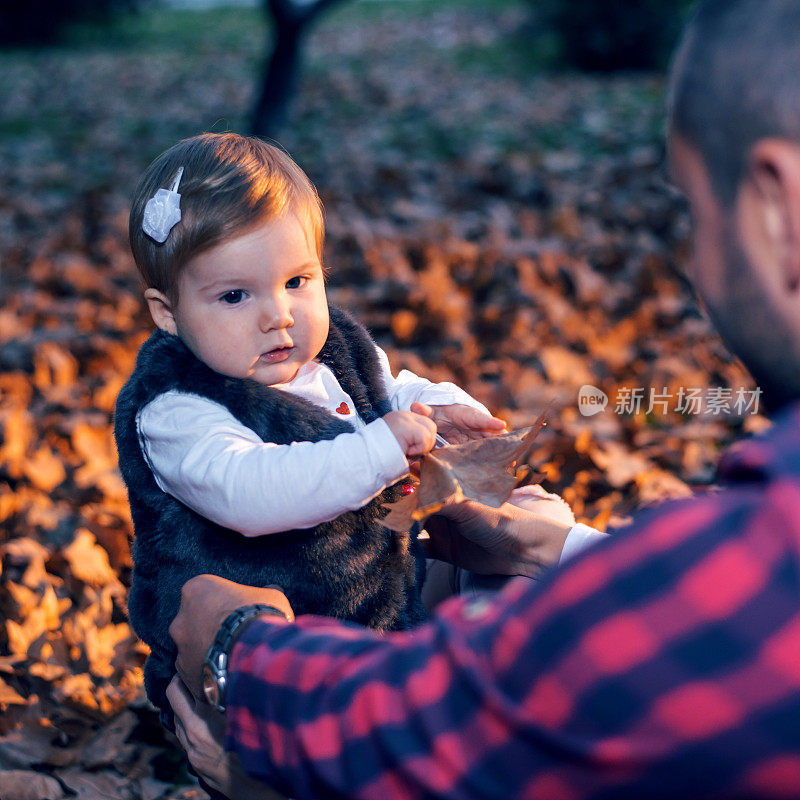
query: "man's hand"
458, 423
414, 430
502, 541
205, 602
201, 732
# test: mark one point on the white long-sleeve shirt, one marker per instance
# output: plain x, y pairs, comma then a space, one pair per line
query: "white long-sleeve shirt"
202, 455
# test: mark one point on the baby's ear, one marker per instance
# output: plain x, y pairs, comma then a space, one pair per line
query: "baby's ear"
161, 310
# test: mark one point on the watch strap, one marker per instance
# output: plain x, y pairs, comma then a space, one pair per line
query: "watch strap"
218, 656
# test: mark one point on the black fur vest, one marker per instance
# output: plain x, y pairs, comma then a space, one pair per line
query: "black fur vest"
351, 567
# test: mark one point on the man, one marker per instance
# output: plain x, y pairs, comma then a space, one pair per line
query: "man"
663, 663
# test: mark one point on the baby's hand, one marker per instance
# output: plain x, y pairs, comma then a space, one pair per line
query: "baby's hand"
459, 423
415, 432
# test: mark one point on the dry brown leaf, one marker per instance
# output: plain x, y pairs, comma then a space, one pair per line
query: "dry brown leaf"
656, 485
105, 397
47, 672
88, 561
24, 599
401, 514
79, 690
107, 743
44, 469
477, 470
101, 644
95, 446
403, 324
437, 483
564, 366
8, 664
24, 561
152, 789
31, 744
17, 784
22, 635
54, 367
44, 605
9, 696
619, 464
18, 433
97, 785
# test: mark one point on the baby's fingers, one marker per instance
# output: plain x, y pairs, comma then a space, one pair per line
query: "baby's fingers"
424, 437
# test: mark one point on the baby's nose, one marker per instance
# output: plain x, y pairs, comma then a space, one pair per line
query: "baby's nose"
276, 315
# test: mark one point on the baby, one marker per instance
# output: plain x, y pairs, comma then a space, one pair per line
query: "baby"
262, 430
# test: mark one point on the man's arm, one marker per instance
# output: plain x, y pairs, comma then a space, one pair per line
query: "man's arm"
620, 675
510, 540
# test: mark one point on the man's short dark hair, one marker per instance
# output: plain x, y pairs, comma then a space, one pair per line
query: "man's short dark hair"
736, 80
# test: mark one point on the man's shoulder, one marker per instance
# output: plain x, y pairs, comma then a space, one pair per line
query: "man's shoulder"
773, 452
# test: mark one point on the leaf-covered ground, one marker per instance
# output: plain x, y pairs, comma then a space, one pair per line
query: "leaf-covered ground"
492, 224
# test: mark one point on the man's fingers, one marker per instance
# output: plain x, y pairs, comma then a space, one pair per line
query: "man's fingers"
182, 702
478, 420
421, 408
180, 698
180, 735
175, 628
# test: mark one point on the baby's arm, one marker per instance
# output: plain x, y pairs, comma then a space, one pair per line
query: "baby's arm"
458, 416
203, 456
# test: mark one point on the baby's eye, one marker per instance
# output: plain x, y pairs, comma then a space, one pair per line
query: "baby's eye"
296, 282
233, 297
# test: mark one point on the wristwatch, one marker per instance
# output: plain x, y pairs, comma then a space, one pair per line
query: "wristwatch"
215, 668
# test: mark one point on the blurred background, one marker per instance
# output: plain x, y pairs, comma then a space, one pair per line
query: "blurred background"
497, 214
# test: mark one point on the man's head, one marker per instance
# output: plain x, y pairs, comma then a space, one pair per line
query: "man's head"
230, 184
735, 151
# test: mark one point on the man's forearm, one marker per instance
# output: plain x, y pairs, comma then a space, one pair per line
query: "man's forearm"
323, 709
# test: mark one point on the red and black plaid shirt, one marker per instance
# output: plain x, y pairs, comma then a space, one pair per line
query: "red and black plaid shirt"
662, 663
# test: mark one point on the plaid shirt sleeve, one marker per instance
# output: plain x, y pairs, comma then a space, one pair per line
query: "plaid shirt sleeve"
663, 663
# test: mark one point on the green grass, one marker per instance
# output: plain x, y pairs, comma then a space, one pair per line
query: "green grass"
165, 30
524, 53
23, 126
511, 59
368, 10
19, 127
187, 30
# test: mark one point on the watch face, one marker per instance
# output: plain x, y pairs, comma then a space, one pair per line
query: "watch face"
210, 688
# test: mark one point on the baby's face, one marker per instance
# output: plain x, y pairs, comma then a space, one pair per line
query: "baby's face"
254, 306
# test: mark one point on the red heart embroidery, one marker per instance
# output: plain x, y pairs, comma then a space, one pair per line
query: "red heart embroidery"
343, 409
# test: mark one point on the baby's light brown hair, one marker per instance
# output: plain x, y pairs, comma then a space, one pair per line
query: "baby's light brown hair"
230, 183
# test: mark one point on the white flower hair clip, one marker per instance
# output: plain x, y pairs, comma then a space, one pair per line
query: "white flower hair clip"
163, 211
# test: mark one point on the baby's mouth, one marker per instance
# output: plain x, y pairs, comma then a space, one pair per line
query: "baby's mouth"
276, 354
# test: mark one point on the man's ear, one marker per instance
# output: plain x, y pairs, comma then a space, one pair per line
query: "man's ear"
161, 310
774, 176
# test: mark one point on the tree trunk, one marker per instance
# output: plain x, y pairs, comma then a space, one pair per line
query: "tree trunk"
291, 19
